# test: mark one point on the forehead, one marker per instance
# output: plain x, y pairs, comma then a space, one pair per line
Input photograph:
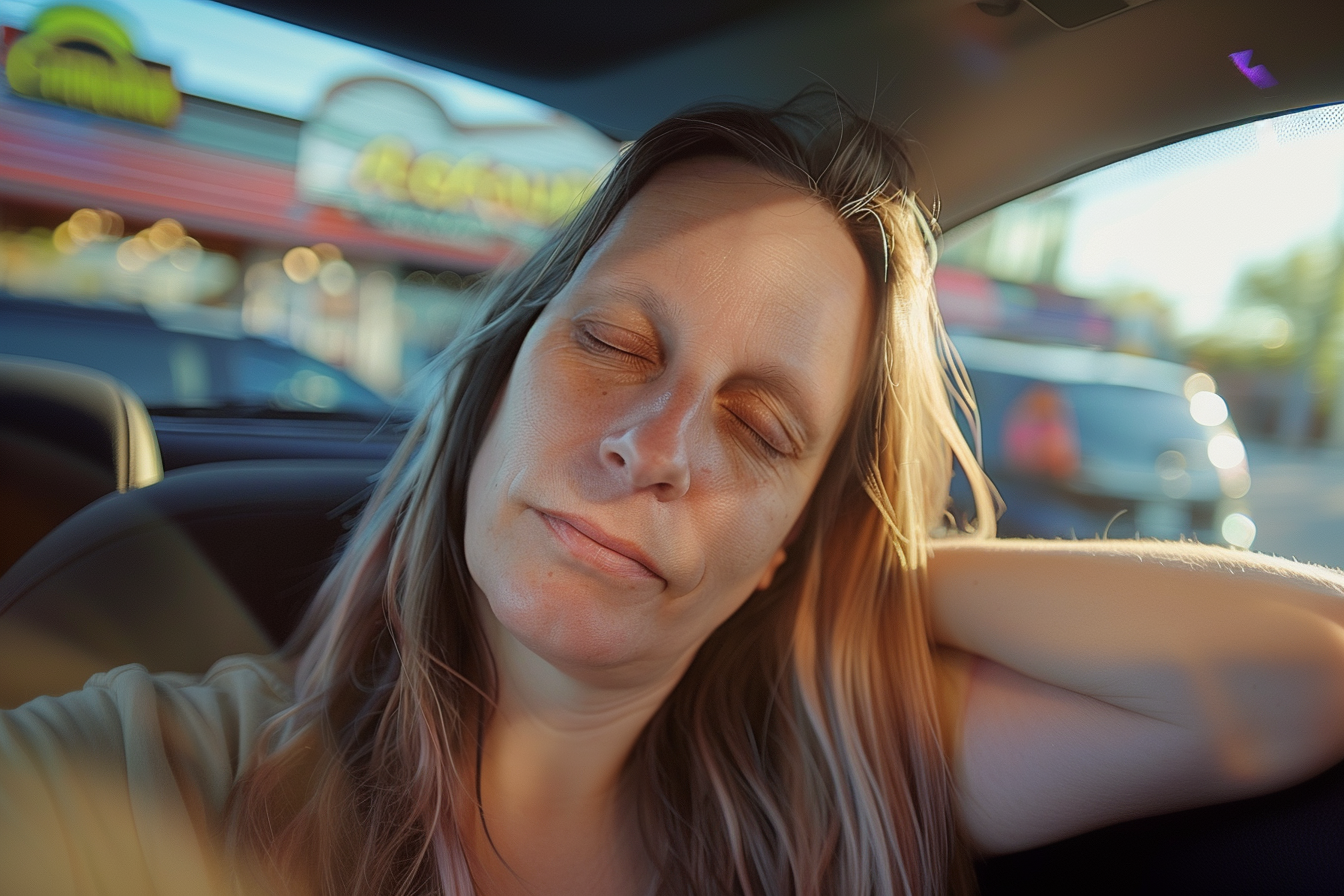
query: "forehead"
724, 223
713, 193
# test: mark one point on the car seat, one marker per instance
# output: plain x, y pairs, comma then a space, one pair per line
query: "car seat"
1290, 842
68, 435
214, 560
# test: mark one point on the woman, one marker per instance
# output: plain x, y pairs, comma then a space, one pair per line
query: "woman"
647, 602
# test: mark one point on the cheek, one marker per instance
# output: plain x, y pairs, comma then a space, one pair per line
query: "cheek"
482, 504
499, 462
527, 453
739, 539
519, 428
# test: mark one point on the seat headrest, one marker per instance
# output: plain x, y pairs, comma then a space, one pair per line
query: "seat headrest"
83, 410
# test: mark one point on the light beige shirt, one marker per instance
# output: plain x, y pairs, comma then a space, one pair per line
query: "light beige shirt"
120, 788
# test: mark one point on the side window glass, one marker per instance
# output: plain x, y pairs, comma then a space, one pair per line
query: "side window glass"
1157, 346
270, 377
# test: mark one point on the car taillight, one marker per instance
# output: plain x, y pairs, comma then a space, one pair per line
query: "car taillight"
1040, 435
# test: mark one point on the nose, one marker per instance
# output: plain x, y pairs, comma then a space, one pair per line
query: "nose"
651, 453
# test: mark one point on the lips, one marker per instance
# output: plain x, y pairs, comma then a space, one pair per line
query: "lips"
598, 548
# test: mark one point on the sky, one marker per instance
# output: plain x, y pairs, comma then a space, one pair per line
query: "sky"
1186, 220
238, 57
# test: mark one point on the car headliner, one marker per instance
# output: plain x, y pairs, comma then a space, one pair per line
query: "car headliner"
996, 105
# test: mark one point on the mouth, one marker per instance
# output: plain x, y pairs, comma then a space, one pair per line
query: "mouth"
595, 547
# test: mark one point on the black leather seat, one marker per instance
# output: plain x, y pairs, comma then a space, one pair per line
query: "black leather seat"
68, 435
214, 560
1290, 842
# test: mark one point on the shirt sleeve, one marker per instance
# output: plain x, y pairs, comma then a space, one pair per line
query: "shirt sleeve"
119, 788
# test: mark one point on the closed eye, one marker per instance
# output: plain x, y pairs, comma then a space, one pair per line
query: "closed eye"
761, 441
593, 344
614, 342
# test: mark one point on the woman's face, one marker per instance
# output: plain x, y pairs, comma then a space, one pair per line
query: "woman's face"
666, 420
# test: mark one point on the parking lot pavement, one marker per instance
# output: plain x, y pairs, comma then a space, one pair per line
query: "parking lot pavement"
1297, 501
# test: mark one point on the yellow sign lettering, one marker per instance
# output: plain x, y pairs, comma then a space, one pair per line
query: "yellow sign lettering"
382, 167
388, 166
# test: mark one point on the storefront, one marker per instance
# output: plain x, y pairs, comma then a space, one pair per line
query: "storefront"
346, 231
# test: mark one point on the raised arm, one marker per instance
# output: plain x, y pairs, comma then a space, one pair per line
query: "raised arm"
1091, 682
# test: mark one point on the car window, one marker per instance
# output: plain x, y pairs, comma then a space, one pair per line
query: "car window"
236, 216
1170, 328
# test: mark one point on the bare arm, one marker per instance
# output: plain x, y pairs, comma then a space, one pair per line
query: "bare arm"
1099, 681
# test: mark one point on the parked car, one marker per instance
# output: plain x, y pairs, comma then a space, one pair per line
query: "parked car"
213, 392
1083, 443
184, 363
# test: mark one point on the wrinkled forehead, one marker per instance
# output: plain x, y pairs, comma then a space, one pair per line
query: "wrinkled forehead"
693, 192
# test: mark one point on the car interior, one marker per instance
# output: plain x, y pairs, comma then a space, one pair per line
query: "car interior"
115, 551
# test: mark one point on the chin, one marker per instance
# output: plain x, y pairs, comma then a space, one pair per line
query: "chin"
572, 629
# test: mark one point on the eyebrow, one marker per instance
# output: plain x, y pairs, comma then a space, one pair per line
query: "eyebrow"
652, 302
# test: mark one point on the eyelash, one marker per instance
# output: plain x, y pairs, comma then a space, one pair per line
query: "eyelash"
769, 450
602, 347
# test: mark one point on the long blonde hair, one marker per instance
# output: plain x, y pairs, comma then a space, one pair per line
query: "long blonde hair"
800, 753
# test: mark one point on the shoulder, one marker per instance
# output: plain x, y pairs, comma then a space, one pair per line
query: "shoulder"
127, 778
236, 694
202, 726
206, 724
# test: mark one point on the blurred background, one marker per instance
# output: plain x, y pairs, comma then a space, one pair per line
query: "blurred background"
213, 174
1219, 260
239, 217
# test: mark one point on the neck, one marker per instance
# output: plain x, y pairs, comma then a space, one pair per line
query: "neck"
558, 816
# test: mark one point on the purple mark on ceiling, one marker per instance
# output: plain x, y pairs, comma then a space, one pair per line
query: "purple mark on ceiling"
1256, 74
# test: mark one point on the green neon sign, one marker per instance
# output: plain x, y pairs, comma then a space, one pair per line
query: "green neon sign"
82, 58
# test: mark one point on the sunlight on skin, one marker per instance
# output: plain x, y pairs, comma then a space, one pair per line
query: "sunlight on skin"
1192, 676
